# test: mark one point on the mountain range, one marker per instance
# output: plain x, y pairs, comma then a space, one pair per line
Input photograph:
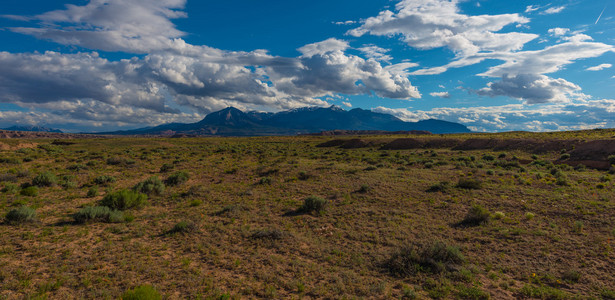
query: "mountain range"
32, 128
233, 122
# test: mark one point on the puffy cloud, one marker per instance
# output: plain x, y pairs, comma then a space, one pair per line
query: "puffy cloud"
531, 88
440, 94
324, 47
553, 10
138, 26
428, 24
541, 117
548, 60
52, 76
326, 69
201, 79
599, 67
558, 31
375, 52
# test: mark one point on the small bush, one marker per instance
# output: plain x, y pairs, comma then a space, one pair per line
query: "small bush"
498, 215
92, 192
113, 161
611, 159
469, 184
44, 179
183, 227
150, 186
166, 168
10, 188
21, 215
543, 292
144, 292
442, 186
177, 178
410, 260
313, 204
529, 216
98, 214
472, 293
265, 180
76, 167
304, 175
571, 276
104, 179
476, 216
487, 157
564, 156
267, 234
30, 191
124, 199
364, 189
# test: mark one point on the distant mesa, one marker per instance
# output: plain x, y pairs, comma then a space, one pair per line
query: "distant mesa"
309, 120
32, 128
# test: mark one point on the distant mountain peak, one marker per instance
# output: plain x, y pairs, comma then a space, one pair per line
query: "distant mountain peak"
233, 122
34, 128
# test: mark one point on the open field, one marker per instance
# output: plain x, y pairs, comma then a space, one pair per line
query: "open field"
280, 217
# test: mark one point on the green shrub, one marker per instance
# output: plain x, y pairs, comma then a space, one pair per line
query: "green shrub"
410, 260
543, 292
469, 184
265, 180
104, 179
76, 167
30, 191
472, 293
477, 215
529, 215
498, 215
267, 234
571, 276
124, 199
68, 181
611, 159
364, 189
607, 294
98, 214
113, 161
144, 292
487, 157
564, 156
10, 188
304, 175
183, 227
150, 186
177, 178
44, 179
166, 168
92, 192
313, 204
21, 215
442, 186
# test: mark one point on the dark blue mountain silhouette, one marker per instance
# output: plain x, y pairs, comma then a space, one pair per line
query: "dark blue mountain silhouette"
233, 122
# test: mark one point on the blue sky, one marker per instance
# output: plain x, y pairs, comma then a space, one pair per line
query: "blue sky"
492, 65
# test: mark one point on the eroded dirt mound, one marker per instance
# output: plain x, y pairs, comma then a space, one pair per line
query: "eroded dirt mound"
593, 150
529, 145
354, 144
349, 143
331, 143
400, 144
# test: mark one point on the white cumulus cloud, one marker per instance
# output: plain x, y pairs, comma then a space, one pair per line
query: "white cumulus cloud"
599, 67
